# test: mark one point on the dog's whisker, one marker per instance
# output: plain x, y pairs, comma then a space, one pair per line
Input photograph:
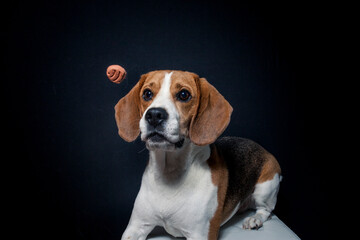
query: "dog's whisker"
142, 150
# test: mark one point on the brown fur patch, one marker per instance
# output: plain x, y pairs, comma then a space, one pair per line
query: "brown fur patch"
184, 81
219, 175
229, 207
153, 82
213, 115
269, 168
127, 112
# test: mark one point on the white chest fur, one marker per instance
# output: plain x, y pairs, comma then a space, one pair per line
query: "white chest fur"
177, 191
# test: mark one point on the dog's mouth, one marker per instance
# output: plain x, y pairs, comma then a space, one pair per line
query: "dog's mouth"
158, 138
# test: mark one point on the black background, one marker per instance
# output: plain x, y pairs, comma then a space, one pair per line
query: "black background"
72, 176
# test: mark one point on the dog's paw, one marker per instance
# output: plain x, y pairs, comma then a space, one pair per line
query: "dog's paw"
252, 222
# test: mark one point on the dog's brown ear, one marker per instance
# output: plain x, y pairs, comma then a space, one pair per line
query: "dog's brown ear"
213, 115
127, 113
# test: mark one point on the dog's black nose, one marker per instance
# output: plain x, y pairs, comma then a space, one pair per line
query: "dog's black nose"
155, 116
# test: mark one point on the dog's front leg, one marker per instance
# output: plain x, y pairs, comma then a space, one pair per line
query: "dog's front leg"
140, 224
137, 230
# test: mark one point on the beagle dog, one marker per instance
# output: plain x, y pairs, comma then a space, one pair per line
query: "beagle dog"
193, 182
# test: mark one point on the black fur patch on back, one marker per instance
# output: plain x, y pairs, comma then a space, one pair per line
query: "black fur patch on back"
244, 159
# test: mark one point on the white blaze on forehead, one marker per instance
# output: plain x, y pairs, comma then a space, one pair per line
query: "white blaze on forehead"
164, 94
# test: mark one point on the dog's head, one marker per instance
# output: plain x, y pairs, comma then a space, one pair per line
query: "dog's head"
167, 107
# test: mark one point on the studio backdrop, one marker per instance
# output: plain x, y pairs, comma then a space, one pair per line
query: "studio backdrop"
77, 178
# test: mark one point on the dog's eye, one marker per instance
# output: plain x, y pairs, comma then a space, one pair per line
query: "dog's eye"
183, 96
147, 95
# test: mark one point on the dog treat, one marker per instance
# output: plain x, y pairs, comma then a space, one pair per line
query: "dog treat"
116, 73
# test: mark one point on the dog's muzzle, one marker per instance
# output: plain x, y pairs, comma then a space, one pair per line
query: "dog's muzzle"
156, 138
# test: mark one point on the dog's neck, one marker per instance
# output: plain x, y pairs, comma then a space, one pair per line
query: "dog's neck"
171, 166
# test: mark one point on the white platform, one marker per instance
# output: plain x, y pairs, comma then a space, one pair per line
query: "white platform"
273, 229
